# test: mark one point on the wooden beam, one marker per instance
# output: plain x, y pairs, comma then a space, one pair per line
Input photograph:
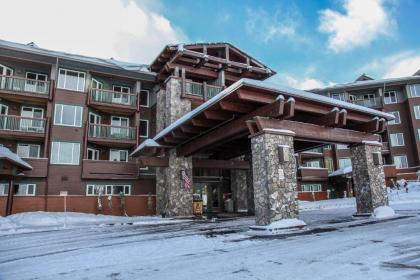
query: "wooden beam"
204, 123
181, 135
222, 164
218, 115
289, 109
342, 118
191, 129
171, 140
330, 119
235, 107
313, 132
257, 97
153, 162
371, 126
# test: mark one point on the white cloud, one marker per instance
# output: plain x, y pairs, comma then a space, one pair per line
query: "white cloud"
362, 22
282, 23
125, 30
299, 82
401, 64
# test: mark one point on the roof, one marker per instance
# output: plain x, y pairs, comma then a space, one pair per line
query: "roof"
268, 86
369, 83
112, 63
14, 159
341, 171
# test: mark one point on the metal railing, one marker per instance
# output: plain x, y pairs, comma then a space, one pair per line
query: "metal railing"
24, 85
22, 124
113, 97
366, 103
198, 89
112, 132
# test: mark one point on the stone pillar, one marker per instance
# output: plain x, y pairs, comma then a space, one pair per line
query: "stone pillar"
274, 176
368, 177
239, 187
172, 198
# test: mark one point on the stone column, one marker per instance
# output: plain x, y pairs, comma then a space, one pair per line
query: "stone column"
250, 187
274, 176
172, 198
368, 177
239, 186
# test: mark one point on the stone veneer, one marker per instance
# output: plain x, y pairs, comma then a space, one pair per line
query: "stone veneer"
275, 186
368, 178
172, 199
239, 187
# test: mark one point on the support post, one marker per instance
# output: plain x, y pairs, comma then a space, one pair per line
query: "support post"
368, 177
10, 196
274, 176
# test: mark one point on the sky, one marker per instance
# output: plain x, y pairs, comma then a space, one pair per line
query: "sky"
308, 43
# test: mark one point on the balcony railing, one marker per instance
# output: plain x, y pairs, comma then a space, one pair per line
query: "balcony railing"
366, 103
112, 132
198, 89
22, 124
24, 85
113, 97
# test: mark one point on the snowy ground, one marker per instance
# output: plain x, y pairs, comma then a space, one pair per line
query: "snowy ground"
335, 247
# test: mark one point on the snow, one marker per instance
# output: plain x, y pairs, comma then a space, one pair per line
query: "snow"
383, 212
375, 143
9, 155
341, 171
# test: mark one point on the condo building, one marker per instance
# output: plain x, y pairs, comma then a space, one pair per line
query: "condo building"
101, 130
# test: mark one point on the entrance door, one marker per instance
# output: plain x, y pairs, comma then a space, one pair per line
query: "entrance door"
210, 194
6, 82
32, 125
94, 124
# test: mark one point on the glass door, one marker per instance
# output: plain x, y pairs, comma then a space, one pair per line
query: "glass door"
119, 127
121, 95
6, 82
36, 82
94, 124
97, 94
32, 120
3, 116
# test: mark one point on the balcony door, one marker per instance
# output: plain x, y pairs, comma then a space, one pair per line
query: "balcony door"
36, 82
121, 95
4, 110
95, 124
119, 126
5, 82
27, 123
97, 88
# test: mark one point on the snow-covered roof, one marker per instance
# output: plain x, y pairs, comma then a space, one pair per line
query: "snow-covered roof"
341, 171
269, 87
367, 83
34, 49
6, 154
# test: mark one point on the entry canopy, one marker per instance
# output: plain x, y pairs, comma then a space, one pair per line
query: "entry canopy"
221, 126
11, 164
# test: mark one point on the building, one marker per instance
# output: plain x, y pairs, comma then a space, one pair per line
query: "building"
76, 120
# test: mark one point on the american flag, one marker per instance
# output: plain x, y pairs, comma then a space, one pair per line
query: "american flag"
185, 179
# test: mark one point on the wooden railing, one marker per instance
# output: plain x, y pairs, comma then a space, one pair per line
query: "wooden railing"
202, 90
23, 124
113, 97
112, 132
24, 85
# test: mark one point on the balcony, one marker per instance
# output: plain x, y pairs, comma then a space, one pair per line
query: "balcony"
113, 102
109, 170
22, 128
23, 90
385, 148
39, 167
367, 102
313, 174
201, 90
109, 135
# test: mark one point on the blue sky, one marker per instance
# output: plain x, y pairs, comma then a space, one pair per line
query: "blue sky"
309, 43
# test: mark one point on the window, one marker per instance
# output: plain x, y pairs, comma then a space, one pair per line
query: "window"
4, 189
313, 163
417, 112
28, 150
415, 90
121, 95
118, 155
25, 189
400, 161
92, 154
329, 164
65, 153
390, 97
418, 133
338, 96
108, 189
344, 162
4, 81
71, 80
397, 139
144, 128
342, 147
36, 82
311, 187
119, 126
144, 98
397, 119
32, 120
327, 147
68, 115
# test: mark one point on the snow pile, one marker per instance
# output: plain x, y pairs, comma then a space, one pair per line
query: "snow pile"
286, 223
38, 221
383, 212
